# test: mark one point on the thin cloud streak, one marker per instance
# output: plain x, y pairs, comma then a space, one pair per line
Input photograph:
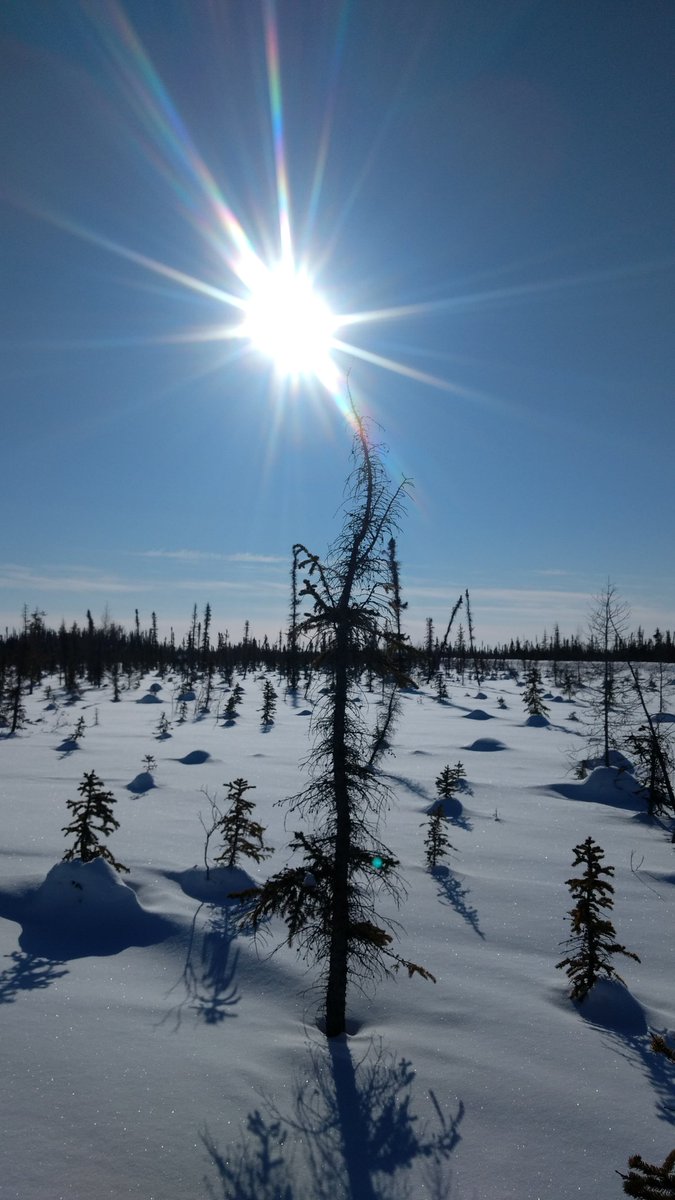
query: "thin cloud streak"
13, 577
210, 556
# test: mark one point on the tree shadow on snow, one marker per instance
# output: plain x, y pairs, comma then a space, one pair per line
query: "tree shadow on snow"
351, 1132
612, 1008
28, 973
208, 977
410, 785
451, 891
67, 747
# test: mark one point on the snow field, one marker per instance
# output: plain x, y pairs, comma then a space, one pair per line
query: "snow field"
130, 1043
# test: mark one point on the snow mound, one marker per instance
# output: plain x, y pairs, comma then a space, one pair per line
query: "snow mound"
83, 909
478, 714
150, 698
612, 1006
195, 758
616, 759
480, 696
188, 695
217, 889
86, 889
305, 712
663, 718
67, 746
604, 785
486, 745
537, 721
141, 783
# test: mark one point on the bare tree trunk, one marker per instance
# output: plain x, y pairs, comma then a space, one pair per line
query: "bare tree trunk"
336, 987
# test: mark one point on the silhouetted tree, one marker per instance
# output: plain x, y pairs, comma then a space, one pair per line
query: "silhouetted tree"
328, 900
592, 945
92, 818
607, 627
449, 780
437, 843
242, 836
269, 704
533, 695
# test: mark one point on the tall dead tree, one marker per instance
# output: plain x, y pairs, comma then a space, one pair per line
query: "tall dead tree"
328, 901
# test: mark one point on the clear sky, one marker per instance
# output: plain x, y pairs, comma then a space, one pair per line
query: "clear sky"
482, 191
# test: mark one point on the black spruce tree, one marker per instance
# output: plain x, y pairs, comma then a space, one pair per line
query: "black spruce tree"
328, 899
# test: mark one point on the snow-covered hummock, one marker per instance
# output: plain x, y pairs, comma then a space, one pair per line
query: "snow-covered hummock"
152, 1051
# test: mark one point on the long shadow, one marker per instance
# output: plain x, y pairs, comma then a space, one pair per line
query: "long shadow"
28, 973
67, 747
613, 1010
208, 976
351, 1133
410, 785
451, 892
59, 935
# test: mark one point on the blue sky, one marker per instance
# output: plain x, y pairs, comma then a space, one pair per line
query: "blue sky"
494, 178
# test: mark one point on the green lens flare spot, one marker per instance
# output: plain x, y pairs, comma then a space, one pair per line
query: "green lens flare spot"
377, 862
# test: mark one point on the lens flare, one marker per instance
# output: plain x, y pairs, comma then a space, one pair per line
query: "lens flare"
288, 322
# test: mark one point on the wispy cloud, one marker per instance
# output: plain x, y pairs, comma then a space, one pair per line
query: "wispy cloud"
76, 580
210, 556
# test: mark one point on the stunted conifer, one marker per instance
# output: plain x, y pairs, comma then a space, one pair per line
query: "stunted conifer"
449, 780
269, 704
242, 836
437, 843
533, 695
92, 818
593, 943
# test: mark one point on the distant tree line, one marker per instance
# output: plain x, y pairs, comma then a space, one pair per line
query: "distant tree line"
107, 652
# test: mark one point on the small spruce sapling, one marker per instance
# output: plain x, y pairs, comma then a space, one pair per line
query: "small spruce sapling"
92, 817
232, 707
242, 836
79, 730
593, 943
450, 780
269, 704
437, 842
652, 750
533, 695
163, 726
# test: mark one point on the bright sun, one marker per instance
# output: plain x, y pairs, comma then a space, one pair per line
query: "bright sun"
288, 322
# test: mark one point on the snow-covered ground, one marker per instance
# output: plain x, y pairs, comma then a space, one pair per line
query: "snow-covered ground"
150, 1052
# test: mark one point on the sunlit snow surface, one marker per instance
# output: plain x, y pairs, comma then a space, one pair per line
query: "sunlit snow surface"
148, 1051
